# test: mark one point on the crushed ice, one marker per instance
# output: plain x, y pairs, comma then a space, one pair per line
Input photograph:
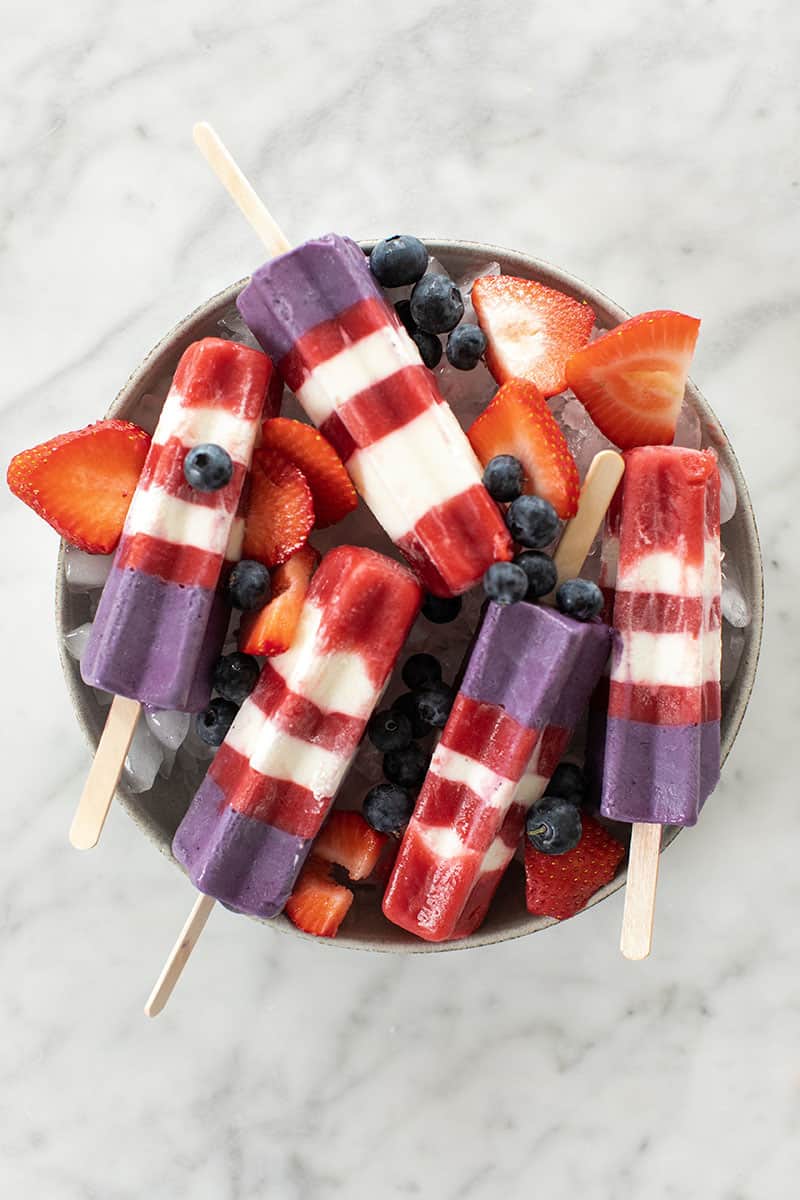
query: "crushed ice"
143, 760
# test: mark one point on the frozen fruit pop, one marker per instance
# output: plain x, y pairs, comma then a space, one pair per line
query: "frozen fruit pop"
163, 612
319, 313
268, 791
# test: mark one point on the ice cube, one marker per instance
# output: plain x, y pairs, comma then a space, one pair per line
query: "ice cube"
85, 572
465, 283
735, 607
103, 698
467, 392
194, 746
583, 437
233, 328
687, 431
727, 495
733, 643
169, 727
145, 756
75, 641
146, 411
167, 763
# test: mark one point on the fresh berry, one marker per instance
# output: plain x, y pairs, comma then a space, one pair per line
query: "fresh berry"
567, 780
407, 705
331, 487
318, 904
465, 346
81, 483
348, 841
554, 825
270, 631
388, 808
421, 669
398, 260
280, 508
436, 304
517, 421
541, 572
531, 329
429, 346
579, 598
213, 724
532, 521
208, 467
504, 478
505, 583
403, 310
235, 676
249, 585
434, 703
407, 768
559, 887
631, 380
441, 609
389, 729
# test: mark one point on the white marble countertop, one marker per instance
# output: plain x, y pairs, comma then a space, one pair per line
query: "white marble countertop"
648, 148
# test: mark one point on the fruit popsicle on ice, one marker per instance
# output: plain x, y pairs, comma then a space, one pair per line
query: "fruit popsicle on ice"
321, 316
163, 612
251, 824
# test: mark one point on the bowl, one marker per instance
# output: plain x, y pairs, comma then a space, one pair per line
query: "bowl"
157, 813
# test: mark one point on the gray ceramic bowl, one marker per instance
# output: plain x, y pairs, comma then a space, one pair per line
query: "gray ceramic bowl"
157, 812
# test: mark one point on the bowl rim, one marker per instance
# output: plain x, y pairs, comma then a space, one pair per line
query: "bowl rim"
527, 265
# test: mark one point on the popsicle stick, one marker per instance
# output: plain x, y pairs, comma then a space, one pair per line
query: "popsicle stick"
640, 892
597, 493
240, 189
98, 792
179, 955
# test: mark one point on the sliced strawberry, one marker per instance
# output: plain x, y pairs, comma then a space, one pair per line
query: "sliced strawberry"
348, 841
318, 904
331, 487
632, 379
532, 330
271, 629
82, 483
517, 421
560, 885
280, 509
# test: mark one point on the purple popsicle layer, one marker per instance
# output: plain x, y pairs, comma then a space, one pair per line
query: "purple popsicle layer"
659, 766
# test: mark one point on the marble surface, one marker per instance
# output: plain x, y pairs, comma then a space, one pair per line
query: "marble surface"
650, 149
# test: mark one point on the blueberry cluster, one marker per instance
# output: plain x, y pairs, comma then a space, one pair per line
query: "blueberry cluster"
554, 823
235, 676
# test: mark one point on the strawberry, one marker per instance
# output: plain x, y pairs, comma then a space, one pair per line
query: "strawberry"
280, 509
318, 904
333, 492
517, 421
82, 482
632, 379
560, 885
348, 841
270, 630
532, 330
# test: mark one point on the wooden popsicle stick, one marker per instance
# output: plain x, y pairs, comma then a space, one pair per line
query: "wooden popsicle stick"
640, 891
597, 493
98, 792
240, 189
179, 955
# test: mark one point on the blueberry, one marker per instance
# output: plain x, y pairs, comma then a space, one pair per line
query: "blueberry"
388, 808
421, 669
554, 825
505, 583
389, 729
441, 609
249, 585
235, 676
579, 598
504, 477
541, 572
465, 346
207, 468
407, 705
213, 724
398, 260
567, 781
429, 346
403, 310
434, 703
406, 768
436, 304
532, 521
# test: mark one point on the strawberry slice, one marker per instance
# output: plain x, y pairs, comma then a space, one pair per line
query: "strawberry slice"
517, 421
270, 630
348, 841
331, 487
318, 904
280, 509
532, 330
560, 885
82, 483
632, 379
